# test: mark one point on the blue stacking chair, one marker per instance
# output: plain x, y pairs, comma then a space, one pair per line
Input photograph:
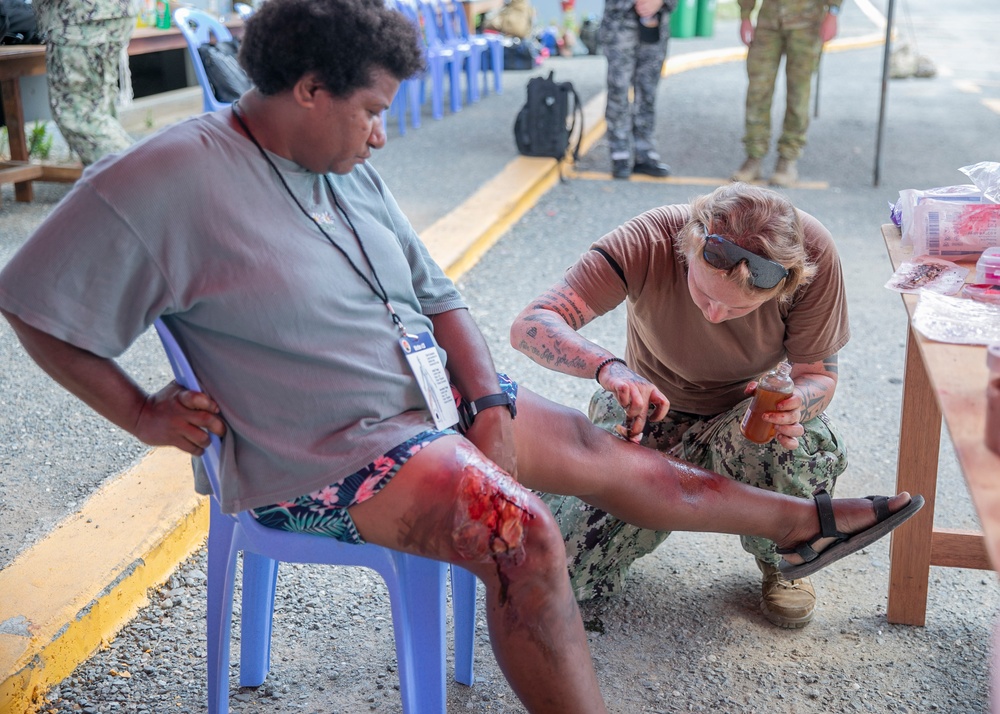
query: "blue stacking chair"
439, 59
416, 591
440, 31
198, 28
493, 43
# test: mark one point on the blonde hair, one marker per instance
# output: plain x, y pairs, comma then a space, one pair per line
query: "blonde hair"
756, 219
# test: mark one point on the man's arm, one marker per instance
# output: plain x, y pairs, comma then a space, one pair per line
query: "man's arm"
471, 370
172, 417
546, 331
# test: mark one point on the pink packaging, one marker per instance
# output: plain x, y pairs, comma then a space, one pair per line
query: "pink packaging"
988, 267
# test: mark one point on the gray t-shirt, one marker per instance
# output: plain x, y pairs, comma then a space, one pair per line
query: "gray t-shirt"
301, 355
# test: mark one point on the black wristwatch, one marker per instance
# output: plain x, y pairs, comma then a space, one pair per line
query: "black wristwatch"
467, 410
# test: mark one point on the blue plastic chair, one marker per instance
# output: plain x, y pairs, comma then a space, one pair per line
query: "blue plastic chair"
198, 28
492, 42
439, 58
440, 32
416, 591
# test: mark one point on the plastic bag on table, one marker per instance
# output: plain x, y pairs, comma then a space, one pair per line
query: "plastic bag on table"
955, 231
986, 176
956, 320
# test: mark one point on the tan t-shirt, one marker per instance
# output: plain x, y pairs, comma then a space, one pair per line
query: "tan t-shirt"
702, 367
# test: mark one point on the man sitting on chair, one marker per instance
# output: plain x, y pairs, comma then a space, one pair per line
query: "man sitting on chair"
320, 329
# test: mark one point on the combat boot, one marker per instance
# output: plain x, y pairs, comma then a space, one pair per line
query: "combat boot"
785, 174
785, 603
749, 171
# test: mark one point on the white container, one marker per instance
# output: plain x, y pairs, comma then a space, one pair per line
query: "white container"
988, 267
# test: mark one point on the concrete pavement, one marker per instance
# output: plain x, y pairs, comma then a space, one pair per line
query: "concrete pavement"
57, 614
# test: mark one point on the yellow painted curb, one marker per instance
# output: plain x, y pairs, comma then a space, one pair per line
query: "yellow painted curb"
77, 588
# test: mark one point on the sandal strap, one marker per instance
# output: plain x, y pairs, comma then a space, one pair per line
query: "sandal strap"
827, 523
827, 528
880, 504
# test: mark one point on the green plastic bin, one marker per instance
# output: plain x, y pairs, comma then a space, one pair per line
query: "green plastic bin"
684, 19
705, 26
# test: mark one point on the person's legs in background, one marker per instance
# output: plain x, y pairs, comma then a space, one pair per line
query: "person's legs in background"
763, 60
652, 53
619, 39
82, 62
801, 58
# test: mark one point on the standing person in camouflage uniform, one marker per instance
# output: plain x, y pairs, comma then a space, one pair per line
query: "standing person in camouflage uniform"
634, 36
83, 49
718, 292
796, 29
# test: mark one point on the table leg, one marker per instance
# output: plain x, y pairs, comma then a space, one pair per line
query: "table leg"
13, 113
916, 472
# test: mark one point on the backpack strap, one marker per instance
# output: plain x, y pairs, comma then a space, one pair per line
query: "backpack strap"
577, 115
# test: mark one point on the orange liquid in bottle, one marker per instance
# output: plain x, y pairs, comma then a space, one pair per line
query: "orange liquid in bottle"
753, 426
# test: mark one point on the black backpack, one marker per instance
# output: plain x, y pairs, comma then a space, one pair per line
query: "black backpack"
18, 25
546, 122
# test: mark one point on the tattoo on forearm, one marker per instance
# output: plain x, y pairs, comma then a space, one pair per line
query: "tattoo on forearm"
816, 395
558, 302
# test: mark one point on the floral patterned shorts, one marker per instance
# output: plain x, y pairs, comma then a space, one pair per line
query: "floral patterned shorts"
324, 512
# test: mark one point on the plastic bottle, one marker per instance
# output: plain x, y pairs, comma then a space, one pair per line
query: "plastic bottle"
993, 399
163, 14
772, 388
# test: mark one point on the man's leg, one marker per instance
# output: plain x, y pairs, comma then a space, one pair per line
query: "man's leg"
619, 40
801, 57
450, 503
560, 451
82, 63
763, 59
648, 68
601, 548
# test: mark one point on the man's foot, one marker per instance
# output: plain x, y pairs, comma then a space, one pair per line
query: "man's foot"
785, 603
651, 166
620, 168
846, 526
749, 171
785, 173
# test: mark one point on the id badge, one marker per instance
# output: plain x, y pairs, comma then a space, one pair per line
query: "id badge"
425, 362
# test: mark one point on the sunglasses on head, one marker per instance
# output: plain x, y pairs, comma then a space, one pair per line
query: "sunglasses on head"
726, 255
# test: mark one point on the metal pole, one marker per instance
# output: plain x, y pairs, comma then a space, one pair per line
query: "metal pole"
819, 63
886, 53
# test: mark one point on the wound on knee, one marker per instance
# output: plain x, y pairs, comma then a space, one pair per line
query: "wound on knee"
492, 512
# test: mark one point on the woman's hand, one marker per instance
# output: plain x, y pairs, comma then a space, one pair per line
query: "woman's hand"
641, 400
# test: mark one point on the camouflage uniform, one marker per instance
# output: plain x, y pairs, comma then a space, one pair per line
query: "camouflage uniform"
636, 65
600, 548
83, 48
789, 28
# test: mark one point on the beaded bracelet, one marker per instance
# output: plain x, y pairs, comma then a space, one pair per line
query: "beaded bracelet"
605, 363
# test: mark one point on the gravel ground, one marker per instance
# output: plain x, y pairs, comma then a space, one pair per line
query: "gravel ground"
686, 635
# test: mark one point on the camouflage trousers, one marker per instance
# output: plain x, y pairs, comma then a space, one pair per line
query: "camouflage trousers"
600, 548
801, 48
83, 64
635, 66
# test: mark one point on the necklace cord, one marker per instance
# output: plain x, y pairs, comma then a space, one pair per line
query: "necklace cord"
383, 295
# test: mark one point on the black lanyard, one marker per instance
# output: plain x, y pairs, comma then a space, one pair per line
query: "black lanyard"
383, 295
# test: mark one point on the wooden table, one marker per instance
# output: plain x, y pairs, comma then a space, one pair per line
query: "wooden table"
18, 61
940, 380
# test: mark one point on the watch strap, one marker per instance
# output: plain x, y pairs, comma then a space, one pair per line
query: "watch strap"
468, 410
